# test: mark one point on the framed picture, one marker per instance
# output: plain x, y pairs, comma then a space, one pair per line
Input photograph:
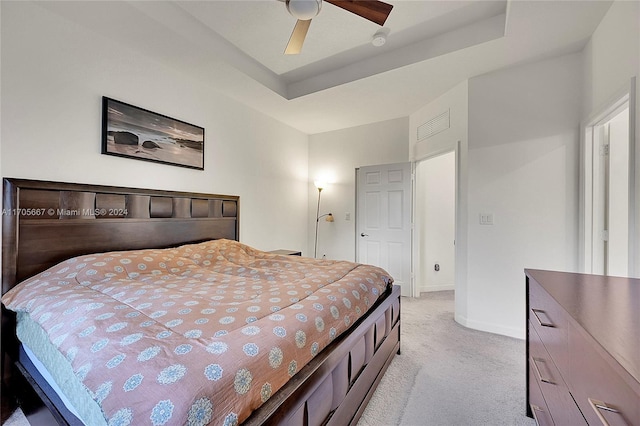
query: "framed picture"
132, 132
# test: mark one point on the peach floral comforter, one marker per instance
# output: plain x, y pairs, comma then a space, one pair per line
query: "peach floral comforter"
199, 334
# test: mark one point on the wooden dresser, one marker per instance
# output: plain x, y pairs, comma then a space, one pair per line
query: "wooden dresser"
583, 349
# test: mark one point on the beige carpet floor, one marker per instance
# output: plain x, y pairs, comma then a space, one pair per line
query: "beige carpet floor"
449, 375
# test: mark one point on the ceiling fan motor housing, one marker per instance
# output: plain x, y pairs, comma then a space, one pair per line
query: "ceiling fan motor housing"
304, 9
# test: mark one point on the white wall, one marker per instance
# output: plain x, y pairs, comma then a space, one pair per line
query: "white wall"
523, 168
611, 59
518, 159
334, 156
456, 102
54, 73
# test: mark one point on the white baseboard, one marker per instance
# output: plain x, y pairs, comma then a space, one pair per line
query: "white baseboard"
427, 289
518, 333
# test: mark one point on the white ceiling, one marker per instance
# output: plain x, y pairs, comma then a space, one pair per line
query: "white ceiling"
262, 28
340, 80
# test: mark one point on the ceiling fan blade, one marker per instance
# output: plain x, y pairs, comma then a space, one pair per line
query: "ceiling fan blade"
373, 10
297, 37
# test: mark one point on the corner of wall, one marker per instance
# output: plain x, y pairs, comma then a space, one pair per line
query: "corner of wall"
516, 332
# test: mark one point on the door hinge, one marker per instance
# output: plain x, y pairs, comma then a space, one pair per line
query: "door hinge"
605, 235
604, 150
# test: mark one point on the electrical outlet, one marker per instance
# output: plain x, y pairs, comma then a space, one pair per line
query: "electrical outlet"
347, 216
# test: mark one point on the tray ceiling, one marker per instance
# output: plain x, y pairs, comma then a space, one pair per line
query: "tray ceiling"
340, 79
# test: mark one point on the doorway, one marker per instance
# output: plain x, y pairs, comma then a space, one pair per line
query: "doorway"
608, 190
435, 223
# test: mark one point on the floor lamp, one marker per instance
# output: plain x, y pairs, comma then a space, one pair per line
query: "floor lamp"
329, 217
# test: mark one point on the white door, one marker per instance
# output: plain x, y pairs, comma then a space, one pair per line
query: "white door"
383, 227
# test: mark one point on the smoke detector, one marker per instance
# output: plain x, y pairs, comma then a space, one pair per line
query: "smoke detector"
379, 38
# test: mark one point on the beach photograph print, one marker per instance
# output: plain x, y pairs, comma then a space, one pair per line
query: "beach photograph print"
129, 131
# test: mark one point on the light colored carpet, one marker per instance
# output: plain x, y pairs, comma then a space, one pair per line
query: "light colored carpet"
449, 375
16, 419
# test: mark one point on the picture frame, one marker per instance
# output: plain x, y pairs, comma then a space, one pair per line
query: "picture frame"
134, 132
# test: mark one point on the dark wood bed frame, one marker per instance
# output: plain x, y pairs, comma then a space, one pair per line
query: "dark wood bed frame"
45, 223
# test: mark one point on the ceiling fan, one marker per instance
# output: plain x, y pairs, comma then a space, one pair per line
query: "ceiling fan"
305, 10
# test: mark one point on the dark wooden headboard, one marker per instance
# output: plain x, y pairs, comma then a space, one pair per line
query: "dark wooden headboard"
44, 223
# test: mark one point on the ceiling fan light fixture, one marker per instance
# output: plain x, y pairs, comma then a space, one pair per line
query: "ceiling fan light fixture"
304, 9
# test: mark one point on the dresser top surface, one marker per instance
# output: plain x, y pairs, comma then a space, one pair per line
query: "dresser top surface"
608, 308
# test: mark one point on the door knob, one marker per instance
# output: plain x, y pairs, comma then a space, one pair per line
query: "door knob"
364, 235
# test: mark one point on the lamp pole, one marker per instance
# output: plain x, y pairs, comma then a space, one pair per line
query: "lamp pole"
315, 250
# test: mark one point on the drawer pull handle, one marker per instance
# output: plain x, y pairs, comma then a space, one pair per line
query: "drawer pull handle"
534, 410
599, 405
535, 367
542, 323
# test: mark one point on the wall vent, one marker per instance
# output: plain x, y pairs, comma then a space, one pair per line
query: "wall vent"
436, 125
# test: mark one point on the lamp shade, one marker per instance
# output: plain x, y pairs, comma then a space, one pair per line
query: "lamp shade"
320, 184
304, 9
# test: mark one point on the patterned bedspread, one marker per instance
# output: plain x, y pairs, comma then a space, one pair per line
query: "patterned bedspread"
200, 334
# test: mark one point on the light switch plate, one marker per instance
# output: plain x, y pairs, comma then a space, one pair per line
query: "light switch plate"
486, 218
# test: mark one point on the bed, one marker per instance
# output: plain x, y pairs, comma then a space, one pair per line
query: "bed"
157, 281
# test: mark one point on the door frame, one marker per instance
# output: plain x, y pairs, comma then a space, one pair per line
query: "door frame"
588, 135
416, 255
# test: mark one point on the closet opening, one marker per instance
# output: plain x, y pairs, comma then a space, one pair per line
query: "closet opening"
435, 223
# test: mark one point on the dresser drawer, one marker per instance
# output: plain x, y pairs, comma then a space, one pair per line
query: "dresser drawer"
550, 321
600, 390
544, 372
536, 402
